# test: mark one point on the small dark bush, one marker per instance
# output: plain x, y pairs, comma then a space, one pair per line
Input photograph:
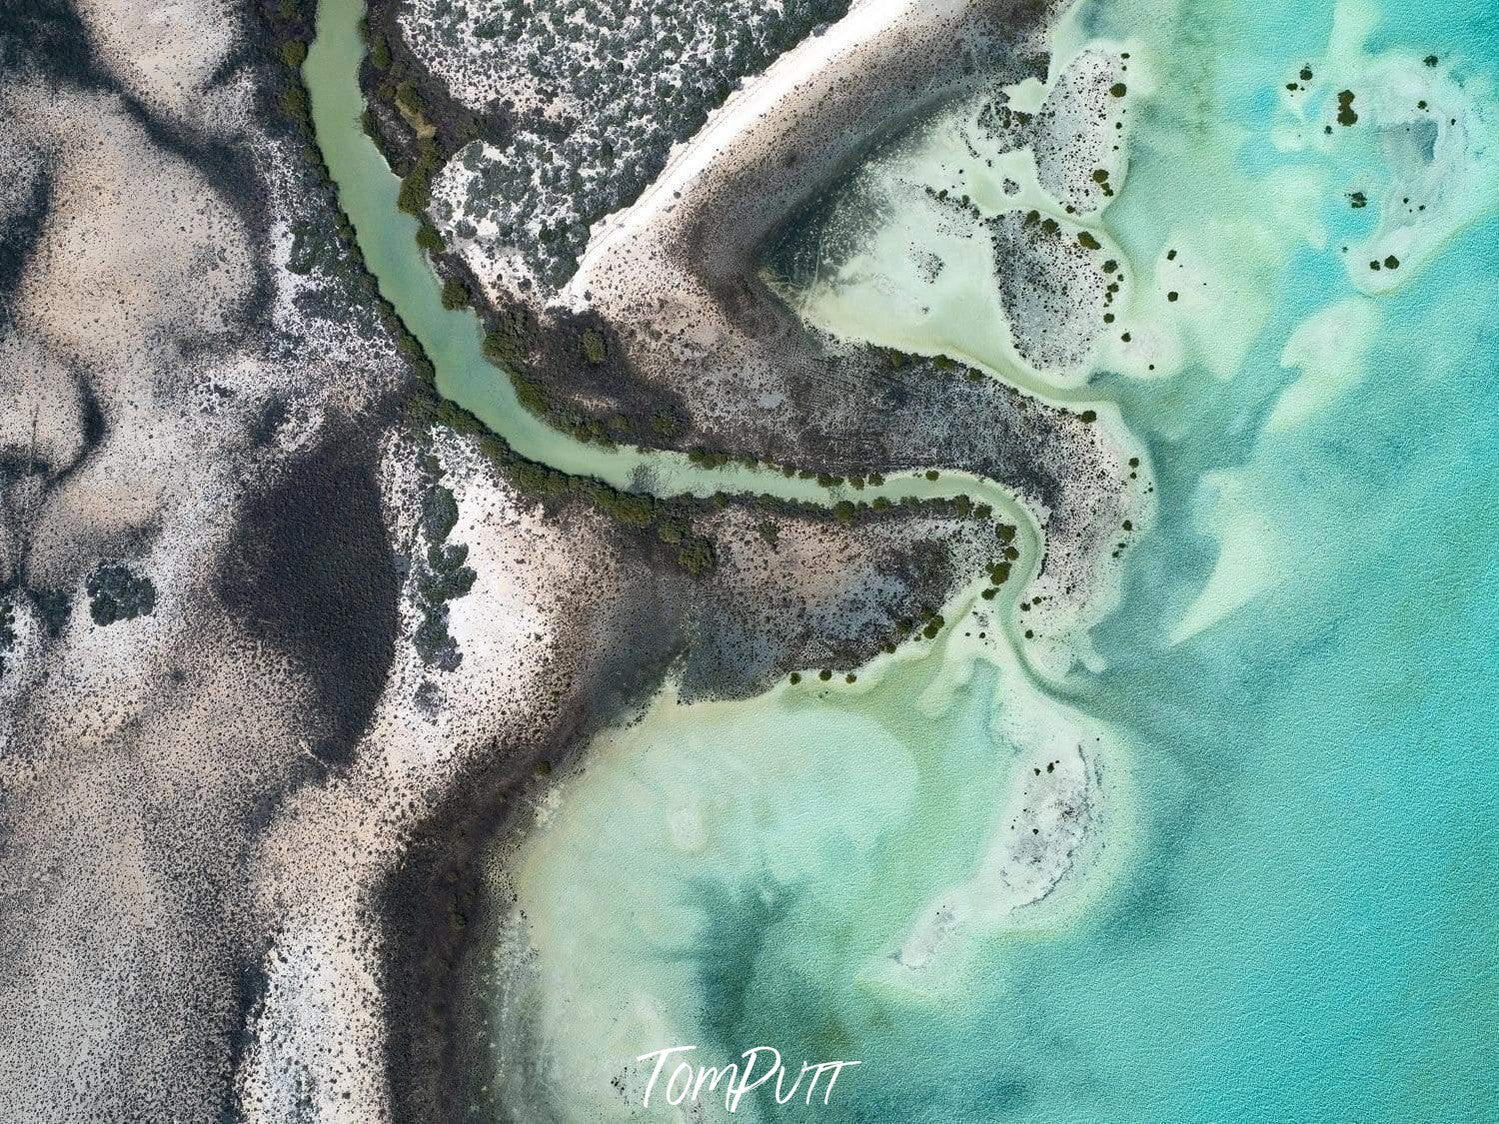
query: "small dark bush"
294, 104
439, 513
117, 593
455, 293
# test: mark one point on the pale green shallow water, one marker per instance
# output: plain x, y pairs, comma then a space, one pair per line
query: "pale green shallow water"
1288, 912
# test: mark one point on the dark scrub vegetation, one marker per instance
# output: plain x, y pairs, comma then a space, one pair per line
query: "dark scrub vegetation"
311, 572
633, 80
441, 576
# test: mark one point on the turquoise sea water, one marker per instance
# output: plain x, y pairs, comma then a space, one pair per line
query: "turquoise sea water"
1312, 930
1314, 933
1291, 910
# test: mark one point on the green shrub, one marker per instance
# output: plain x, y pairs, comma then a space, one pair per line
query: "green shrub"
416, 188
436, 588
455, 293
294, 103
409, 98
432, 641
508, 343
442, 558
428, 238
697, 557
629, 508
294, 53
439, 513
499, 348
531, 395
117, 593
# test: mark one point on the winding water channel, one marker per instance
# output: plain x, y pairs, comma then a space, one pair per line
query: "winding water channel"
367, 191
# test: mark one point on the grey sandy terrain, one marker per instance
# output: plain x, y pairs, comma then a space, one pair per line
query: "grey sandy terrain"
272, 655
